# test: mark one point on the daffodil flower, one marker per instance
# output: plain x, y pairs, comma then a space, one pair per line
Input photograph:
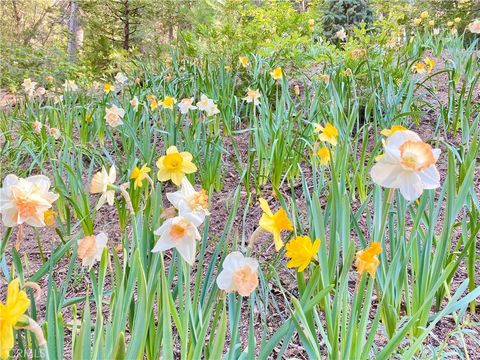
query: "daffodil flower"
191, 204
301, 250
367, 260
274, 223
16, 305
103, 183
139, 174
25, 200
407, 164
179, 233
90, 249
239, 274
174, 165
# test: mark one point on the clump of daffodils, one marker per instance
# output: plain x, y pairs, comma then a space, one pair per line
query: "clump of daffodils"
408, 164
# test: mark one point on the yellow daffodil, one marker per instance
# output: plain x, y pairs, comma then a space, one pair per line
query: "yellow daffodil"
49, 217
329, 133
431, 23
324, 155
274, 223
419, 68
367, 260
450, 23
424, 15
15, 306
389, 132
301, 250
429, 63
108, 88
139, 175
277, 73
168, 102
174, 165
311, 22
153, 102
417, 21
457, 20
244, 61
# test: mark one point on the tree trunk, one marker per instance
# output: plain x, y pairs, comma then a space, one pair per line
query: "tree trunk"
75, 32
126, 26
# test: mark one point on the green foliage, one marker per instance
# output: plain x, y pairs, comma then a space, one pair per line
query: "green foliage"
345, 14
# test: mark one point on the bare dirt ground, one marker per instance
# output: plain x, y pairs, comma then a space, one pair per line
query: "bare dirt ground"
109, 223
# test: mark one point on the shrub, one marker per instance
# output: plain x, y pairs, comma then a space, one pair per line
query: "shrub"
345, 14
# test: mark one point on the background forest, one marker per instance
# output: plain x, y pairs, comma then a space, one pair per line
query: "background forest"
86, 38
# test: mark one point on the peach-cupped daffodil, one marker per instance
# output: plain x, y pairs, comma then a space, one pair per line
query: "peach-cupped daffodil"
37, 126
174, 165
191, 204
139, 174
239, 274
25, 200
114, 116
168, 102
243, 61
252, 96
134, 102
324, 155
274, 223
407, 164
90, 249
301, 250
277, 73
367, 260
179, 233
11, 312
328, 134
474, 27
103, 183
185, 105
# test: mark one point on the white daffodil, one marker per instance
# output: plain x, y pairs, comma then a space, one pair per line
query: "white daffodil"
103, 183
120, 78
179, 233
25, 200
90, 249
114, 116
191, 204
69, 85
408, 164
29, 86
185, 105
239, 274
